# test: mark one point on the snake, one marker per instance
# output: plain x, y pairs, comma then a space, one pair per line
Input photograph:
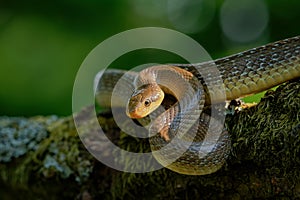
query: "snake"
177, 131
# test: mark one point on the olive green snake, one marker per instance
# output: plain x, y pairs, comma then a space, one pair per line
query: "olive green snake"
195, 87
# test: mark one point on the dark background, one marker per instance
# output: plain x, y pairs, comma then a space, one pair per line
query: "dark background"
43, 43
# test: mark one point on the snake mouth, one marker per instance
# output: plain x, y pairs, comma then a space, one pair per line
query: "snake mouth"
133, 114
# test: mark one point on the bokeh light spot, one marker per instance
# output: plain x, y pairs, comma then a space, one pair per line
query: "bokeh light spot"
190, 16
244, 21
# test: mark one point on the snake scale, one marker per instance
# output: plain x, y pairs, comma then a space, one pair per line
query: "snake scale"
183, 124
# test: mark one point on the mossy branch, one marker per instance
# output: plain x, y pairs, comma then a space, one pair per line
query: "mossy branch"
43, 157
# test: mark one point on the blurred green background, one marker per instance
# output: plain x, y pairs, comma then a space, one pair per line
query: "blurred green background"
43, 43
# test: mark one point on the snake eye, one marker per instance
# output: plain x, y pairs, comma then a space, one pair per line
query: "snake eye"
147, 102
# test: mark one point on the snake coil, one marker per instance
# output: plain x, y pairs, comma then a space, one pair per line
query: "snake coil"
178, 135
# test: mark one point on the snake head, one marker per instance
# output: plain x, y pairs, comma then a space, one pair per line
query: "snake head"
144, 100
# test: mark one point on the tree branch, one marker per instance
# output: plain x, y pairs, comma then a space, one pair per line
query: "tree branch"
43, 157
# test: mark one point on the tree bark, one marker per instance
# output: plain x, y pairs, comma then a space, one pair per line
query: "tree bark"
43, 158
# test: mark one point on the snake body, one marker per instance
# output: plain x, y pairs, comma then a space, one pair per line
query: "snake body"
184, 125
